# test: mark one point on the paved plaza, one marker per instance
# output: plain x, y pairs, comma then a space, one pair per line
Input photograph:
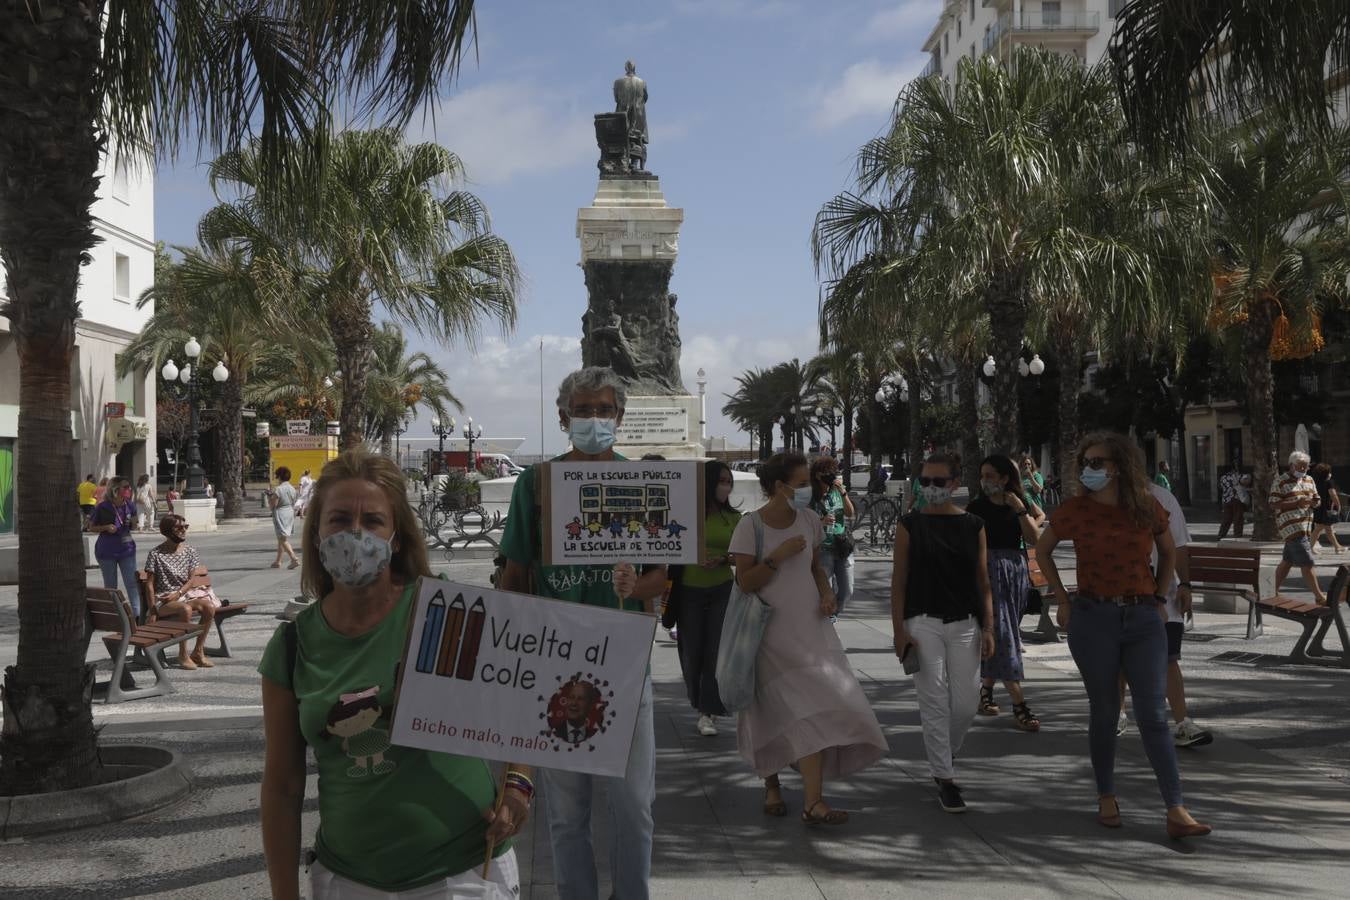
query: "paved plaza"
1273, 783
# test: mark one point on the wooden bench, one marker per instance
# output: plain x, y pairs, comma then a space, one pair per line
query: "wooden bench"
110, 612
1316, 621
146, 582
1046, 629
1229, 570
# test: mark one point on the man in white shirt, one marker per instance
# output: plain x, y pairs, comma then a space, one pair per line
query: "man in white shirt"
1187, 733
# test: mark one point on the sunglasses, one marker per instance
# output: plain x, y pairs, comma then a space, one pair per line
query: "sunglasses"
925, 481
1092, 462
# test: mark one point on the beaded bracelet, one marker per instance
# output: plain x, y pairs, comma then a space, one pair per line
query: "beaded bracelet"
521, 783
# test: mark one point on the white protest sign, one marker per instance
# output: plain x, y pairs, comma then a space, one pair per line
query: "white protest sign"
599, 513
297, 426
521, 679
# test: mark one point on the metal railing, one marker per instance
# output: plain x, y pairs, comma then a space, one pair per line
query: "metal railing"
933, 67
1058, 21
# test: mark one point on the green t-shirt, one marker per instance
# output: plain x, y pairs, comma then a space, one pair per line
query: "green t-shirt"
831, 504
591, 585
918, 503
717, 529
393, 818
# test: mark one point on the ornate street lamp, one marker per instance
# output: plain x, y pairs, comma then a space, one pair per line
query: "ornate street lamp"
442, 428
472, 433
196, 475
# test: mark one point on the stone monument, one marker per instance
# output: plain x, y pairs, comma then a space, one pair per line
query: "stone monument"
629, 241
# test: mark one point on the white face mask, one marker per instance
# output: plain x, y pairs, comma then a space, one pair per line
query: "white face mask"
936, 496
801, 497
355, 558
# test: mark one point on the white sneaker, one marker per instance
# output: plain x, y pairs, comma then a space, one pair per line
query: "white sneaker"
1188, 734
1121, 724
706, 726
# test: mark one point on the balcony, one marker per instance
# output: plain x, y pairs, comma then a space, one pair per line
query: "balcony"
934, 67
1082, 23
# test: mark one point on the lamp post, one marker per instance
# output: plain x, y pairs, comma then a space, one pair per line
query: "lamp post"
442, 428
472, 433
830, 418
196, 475
399, 430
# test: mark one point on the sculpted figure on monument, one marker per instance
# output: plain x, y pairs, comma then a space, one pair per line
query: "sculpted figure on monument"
630, 98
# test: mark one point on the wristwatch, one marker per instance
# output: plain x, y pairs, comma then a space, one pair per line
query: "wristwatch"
768, 561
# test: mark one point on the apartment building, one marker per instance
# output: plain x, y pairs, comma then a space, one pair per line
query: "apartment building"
973, 28
112, 419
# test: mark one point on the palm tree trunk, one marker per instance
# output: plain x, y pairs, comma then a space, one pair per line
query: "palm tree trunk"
1008, 323
49, 157
874, 442
848, 445
1070, 355
350, 327
387, 437
229, 447
1261, 413
970, 423
766, 440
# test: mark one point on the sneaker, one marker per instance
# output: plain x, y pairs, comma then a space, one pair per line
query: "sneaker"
1189, 734
674, 633
949, 795
706, 726
1121, 724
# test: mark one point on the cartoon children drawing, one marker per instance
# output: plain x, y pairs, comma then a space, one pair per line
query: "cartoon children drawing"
616, 528
353, 719
634, 528
574, 528
653, 529
674, 529
595, 528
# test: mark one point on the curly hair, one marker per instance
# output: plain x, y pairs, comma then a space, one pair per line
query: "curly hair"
821, 467
1131, 476
410, 559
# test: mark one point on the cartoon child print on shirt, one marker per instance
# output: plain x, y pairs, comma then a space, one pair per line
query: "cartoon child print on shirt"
353, 720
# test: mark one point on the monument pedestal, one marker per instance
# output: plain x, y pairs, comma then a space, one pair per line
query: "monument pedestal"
666, 425
200, 514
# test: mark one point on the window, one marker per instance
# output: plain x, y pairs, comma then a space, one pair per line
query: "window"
126, 387
946, 42
121, 187
972, 52
122, 273
972, 10
1050, 12
958, 29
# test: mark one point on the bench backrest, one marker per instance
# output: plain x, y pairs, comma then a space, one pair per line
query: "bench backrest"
145, 583
1240, 566
1034, 572
108, 610
1340, 585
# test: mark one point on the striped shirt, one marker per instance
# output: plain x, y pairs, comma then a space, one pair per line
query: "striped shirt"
1295, 522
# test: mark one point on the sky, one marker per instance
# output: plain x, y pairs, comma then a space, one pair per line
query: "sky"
757, 109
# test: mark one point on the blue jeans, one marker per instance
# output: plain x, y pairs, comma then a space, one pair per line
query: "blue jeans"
1106, 640
567, 807
127, 565
840, 570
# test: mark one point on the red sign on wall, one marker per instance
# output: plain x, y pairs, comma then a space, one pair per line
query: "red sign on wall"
114, 410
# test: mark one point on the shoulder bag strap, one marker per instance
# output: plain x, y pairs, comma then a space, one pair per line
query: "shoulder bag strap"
758, 523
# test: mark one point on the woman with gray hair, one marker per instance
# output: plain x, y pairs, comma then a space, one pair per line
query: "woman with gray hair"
1293, 497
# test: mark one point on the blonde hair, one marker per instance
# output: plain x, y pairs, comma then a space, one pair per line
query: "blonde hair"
409, 561
1131, 480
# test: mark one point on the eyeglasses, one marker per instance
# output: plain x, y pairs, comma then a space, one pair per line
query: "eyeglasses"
925, 481
594, 412
1092, 462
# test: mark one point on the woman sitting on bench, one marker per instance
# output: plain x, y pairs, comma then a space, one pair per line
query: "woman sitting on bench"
181, 587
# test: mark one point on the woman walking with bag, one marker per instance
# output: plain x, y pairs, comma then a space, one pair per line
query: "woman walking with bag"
941, 604
1011, 523
832, 504
1115, 621
808, 707
701, 598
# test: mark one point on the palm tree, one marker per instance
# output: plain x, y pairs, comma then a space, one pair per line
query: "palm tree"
77, 78
377, 228
1251, 53
400, 382
228, 302
1281, 257
797, 386
754, 407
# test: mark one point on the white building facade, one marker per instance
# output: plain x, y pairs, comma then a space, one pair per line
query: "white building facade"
972, 28
122, 266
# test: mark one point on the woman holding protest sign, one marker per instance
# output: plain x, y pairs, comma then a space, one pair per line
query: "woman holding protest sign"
808, 708
393, 821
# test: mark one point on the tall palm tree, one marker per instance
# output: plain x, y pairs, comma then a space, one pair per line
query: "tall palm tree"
399, 383
977, 165
797, 386
381, 227
754, 406
229, 303
76, 78
1281, 257
1254, 54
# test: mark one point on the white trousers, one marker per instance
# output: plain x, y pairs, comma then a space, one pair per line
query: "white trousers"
947, 685
503, 883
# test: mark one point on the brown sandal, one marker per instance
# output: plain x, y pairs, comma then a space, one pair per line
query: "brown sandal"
833, 817
778, 808
1112, 820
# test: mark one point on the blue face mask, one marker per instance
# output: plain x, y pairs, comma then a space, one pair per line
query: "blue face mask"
1094, 479
592, 436
801, 497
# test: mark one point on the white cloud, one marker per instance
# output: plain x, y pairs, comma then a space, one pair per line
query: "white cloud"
636, 31
723, 357
506, 129
735, 9
909, 21
866, 88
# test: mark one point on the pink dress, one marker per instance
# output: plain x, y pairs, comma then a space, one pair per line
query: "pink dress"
806, 696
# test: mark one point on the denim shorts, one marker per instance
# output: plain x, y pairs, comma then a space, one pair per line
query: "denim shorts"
1175, 632
1298, 551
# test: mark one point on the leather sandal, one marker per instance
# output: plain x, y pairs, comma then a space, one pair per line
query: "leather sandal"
832, 817
1024, 718
987, 705
1178, 830
1113, 820
777, 808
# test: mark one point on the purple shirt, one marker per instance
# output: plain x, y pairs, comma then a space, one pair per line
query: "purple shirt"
119, 545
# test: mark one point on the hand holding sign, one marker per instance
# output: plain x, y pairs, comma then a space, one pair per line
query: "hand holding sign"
625, 581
